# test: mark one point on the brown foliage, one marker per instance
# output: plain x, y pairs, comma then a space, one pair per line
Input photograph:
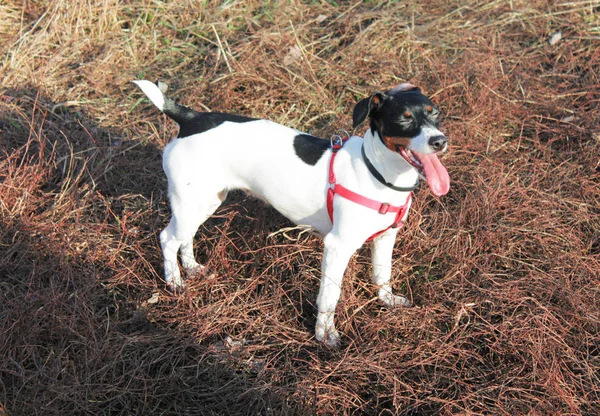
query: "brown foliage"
504, 269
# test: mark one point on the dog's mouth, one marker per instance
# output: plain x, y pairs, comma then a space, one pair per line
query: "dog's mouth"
412, 160
429, 167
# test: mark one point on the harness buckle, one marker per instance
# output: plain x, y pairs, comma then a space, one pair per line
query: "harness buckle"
336, 142
384, 208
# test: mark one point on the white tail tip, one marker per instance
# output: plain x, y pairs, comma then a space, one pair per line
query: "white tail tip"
153, 92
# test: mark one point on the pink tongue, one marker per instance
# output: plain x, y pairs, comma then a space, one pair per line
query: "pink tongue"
435, 173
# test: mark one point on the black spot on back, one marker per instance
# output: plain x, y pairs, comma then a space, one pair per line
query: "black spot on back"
310, 148
202, 122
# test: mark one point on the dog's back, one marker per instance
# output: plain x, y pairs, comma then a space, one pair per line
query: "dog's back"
218, 152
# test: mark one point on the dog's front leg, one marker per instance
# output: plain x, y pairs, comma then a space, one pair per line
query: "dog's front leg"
381, 253
336, 255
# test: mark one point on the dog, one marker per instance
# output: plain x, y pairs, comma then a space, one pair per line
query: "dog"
347, 191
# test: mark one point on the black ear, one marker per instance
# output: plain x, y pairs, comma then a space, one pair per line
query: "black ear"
366, 107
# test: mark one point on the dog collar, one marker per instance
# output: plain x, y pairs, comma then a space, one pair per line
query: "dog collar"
380, 177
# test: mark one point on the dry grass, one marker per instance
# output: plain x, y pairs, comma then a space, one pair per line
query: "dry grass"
505, 270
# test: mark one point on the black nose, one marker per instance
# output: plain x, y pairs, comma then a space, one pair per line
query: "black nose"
438, 142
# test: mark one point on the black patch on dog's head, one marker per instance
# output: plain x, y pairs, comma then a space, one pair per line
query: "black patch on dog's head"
396, 113
202, 122
309, 148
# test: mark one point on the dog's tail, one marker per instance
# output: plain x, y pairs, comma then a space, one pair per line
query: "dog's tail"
181, 114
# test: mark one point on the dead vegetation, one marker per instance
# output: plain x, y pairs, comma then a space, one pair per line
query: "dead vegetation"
504, 270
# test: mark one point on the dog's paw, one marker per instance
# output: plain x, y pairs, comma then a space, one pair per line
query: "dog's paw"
328, 336
194, 269
394, 301
176, 285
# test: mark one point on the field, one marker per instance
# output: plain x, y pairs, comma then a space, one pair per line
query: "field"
504, 271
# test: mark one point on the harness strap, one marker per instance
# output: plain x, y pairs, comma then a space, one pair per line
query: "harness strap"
381, 207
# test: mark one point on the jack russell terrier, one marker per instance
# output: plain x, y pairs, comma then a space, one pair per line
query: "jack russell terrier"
364, 196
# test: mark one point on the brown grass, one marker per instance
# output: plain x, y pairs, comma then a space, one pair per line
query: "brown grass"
505, 270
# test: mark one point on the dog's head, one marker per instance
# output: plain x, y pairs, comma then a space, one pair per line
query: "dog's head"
407, 122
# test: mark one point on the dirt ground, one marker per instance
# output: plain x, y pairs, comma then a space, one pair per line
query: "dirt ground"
504, 271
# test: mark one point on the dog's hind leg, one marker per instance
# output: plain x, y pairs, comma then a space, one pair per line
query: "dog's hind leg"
382, 248
188, 260
187, 216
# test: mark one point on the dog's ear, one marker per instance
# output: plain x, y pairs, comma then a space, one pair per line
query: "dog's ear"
366, 107
404, 87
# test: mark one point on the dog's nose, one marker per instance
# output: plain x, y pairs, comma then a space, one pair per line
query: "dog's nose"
438, 142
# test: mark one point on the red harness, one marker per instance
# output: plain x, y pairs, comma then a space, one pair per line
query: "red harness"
381, 207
